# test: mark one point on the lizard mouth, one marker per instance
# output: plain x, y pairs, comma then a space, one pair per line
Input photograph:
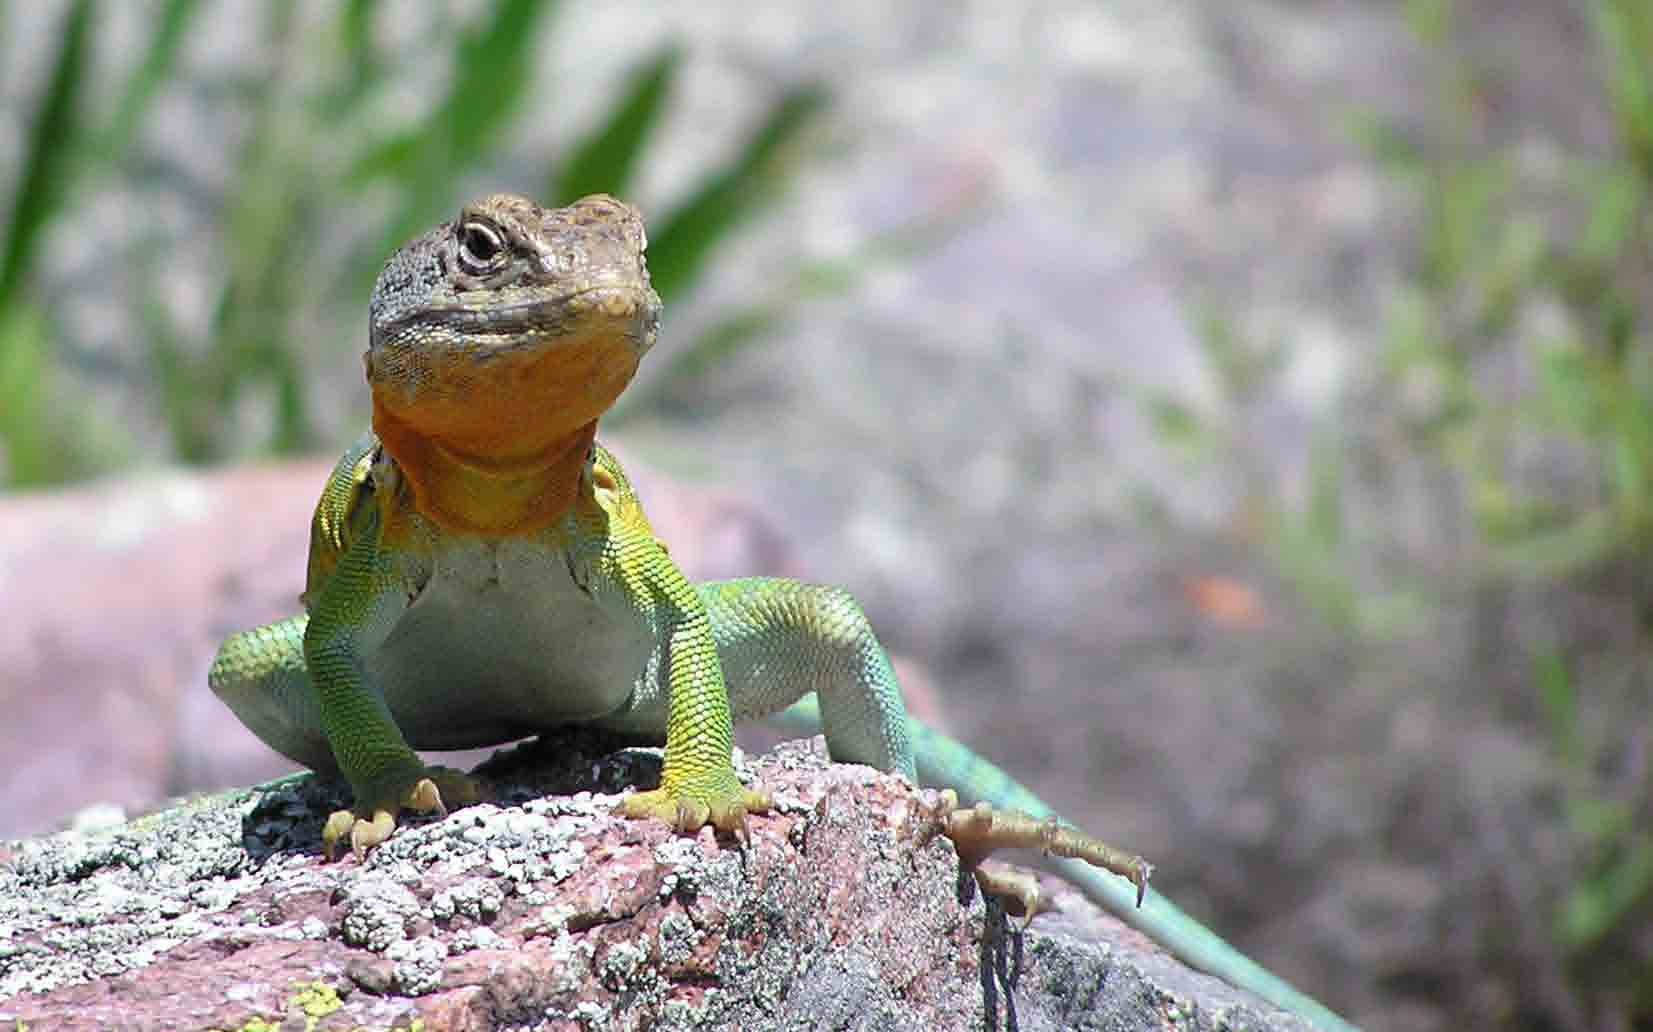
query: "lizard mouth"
629, 311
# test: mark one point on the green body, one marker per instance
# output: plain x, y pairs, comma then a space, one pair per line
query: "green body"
419, 634
462, 641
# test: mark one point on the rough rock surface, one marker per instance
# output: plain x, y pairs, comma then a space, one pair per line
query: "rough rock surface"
545, 911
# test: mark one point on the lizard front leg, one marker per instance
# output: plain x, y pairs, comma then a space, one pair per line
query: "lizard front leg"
698, 785
357, 604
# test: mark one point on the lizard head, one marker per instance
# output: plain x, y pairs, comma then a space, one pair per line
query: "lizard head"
497, 339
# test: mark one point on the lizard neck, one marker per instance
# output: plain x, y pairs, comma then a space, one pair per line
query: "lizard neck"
469, 493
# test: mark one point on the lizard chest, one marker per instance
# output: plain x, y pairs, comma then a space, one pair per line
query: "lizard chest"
501, 639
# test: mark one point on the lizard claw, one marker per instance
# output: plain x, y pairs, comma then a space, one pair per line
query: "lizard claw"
688, 813
368, 824
364, 833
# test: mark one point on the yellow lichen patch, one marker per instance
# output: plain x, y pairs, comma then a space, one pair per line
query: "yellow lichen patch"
316, 999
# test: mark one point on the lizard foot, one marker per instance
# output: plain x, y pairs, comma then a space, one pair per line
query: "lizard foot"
687, 811
373, 818
978, 831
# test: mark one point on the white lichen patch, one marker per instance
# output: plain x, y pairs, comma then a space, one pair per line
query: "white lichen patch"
476, 898
418, 964
377, 912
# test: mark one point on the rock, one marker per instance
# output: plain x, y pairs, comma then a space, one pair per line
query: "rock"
544, 910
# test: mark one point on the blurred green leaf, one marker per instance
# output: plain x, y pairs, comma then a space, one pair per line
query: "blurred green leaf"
490, 74
728, 197
1175, 423
1431, 20
1598, 905
47, 165
352, 75
159, 63
1325, 513
361, 56
357, 29
1625, 29
1617, 198
1244, 367
603, 162
1387, 144
1570, 391
1586, 540
24, 346
493, 70
1559, 700
179, 381
264, 240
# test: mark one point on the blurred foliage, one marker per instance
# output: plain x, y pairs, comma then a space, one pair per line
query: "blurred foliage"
1518, 355
313, 149
1521, 351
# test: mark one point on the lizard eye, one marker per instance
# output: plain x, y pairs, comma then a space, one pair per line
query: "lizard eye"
479, 247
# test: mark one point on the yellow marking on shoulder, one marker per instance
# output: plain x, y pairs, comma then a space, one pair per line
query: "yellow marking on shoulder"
613, 493
340, 513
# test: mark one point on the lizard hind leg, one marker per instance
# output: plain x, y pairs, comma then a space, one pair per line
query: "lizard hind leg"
261, 676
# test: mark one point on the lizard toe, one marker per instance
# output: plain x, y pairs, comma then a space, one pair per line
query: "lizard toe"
365, 834
373, 819
688, 813
731, 818
337, 829
683, 814
442, 787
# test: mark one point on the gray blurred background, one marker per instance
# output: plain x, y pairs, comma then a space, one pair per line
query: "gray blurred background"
1237, 415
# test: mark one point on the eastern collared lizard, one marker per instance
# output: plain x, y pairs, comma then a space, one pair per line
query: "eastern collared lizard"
480, 569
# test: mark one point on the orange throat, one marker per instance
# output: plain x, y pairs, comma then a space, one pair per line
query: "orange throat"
463, 492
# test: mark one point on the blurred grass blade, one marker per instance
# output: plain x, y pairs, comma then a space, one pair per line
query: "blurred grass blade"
1617, 199
1625, 29
729, 196
1559, 699
1324, 519
23, 347
1597, 906
157, 66
491, 71
358, 30
46, 161
186, 402
1431, 20
360, 56
603, 161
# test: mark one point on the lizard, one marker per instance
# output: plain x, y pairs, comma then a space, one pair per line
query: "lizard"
480, 569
